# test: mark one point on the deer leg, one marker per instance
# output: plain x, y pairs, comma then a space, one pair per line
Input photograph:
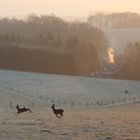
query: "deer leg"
60, 116
30, 111
16, 113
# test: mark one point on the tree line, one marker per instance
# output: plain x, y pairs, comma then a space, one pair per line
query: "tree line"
115, 20
131, 60
49, 44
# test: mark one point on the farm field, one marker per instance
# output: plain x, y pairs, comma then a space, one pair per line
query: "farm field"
41, 90
94, 109
114, 123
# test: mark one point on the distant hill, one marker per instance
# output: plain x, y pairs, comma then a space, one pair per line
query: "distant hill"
115, 20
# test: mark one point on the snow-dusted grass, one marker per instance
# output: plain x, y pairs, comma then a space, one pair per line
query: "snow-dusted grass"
119, 123
38, 91
66, 90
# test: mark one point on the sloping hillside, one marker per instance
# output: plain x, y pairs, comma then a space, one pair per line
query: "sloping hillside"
67, 90
11, 99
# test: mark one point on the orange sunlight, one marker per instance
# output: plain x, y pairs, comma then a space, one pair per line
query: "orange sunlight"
111, 55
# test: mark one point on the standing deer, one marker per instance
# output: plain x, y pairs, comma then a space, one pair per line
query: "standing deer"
57, 111
21, 110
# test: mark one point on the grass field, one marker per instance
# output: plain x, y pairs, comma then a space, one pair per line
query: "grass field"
82, 121
114, 123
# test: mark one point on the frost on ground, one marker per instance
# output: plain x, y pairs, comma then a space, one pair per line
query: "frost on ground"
45, 89
95, 109
114, 123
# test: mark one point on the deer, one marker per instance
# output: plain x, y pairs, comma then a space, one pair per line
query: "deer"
58, 112
23, 109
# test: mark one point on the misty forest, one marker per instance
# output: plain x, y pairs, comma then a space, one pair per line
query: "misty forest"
50, 44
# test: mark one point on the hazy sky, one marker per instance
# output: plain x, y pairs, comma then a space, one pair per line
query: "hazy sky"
65, 7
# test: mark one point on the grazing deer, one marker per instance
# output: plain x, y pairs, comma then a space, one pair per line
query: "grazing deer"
57, 111
21, 110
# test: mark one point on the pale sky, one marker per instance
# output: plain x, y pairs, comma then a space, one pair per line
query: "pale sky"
66, 7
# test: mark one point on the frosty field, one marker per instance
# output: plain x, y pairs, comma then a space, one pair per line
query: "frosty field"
120, 123
95, 109
41, 90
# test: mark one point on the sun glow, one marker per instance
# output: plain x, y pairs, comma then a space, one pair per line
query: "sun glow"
111, 55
